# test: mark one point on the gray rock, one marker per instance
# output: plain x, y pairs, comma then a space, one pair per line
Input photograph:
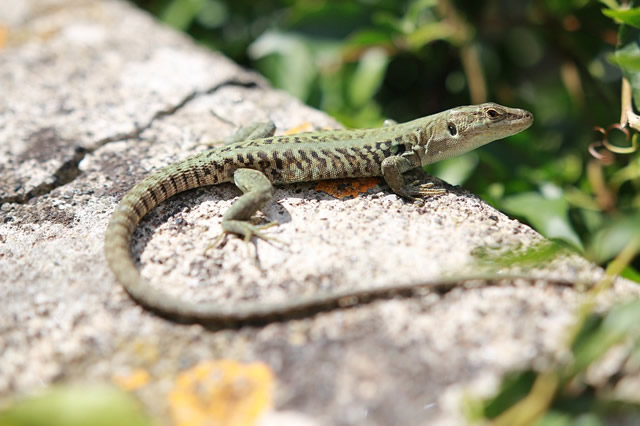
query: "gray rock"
96, 96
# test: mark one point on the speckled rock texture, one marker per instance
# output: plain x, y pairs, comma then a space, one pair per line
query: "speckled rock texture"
96, 96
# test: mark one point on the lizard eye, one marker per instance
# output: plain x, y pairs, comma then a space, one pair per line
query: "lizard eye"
492, 113
452, 129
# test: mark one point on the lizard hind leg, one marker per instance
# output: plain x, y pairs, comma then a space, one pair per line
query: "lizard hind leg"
257, 189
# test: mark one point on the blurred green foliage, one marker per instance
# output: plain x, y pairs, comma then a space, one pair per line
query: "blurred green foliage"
596, 386
365, 60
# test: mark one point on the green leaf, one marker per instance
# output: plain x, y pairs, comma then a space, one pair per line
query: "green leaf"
612, 238
368, 76
564, 7
290, 64
623, 319
612, 4
631, 273
429, 33
555, 418
213, 14
550, 216
587, 345
626, 16
598, 334
515, 386
627, 55
455, 170
76, 406
627, 58
180, 13
368, 38
537, 254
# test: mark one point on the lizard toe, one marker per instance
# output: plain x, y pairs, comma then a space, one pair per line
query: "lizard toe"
423, 190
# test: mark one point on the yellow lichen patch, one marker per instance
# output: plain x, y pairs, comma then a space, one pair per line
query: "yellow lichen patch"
145, 350
304, 127
343, 188
133, 380
221, 393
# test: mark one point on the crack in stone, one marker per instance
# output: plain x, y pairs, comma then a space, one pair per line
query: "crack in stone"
70, 169
66, 173
169, 111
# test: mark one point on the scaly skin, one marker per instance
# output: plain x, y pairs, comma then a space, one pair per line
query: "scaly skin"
257, 163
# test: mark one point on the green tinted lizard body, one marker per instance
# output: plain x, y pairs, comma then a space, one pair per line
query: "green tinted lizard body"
255, 164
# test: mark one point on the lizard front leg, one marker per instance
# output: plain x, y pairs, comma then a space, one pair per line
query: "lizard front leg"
251, 132
392, 169
257, 191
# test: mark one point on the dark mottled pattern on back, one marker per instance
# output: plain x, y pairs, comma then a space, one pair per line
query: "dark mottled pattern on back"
308, 156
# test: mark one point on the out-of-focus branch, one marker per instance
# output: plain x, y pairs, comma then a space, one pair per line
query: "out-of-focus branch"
463, 38
571, 80
605, 198
475, 75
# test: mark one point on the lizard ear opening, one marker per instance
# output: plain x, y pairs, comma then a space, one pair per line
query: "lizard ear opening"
452, 129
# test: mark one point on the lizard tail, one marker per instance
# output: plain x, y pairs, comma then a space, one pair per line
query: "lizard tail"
152, 191
181, 177
169, 182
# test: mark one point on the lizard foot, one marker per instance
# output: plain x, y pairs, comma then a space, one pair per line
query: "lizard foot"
247, 230
244, 230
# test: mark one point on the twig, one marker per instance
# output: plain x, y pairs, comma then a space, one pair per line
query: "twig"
628, 116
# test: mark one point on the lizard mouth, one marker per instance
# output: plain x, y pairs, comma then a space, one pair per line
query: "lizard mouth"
521, 117
527, 115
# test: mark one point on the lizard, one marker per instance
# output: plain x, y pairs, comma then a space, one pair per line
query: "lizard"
255, 160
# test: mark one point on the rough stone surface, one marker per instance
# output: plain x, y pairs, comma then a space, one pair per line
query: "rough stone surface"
96, 96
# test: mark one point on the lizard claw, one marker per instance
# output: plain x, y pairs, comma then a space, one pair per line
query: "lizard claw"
423, 190
215, 242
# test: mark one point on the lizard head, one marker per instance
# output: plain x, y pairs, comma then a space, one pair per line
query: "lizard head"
466, 128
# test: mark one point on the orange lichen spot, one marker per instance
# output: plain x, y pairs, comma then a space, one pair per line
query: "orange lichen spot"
300, 128
343, 188
132, 380
221, 393
4, 36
